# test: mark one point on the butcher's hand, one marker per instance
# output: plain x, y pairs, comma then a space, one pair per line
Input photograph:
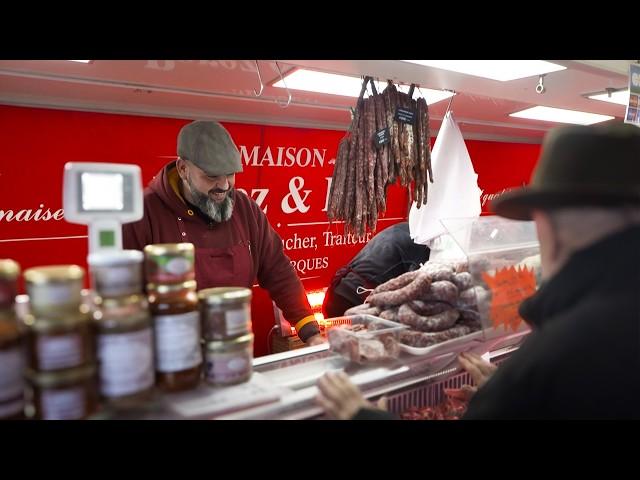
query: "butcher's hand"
339, 397
315, 340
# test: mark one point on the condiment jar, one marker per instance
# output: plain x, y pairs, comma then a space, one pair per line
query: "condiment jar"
124, 339
11, 366
117, 273
9, 272
63, 395
225, 312
59, 341
176, 323
169, 263
229, 362
56, 287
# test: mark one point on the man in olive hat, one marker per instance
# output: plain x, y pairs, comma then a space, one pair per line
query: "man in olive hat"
582, 359
193, 199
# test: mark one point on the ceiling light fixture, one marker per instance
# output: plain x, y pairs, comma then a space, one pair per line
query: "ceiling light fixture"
612, 95
347, 86
560, 115
502, 70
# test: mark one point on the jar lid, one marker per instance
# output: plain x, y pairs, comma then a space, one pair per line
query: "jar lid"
163, 288
115, 258
53, 273
61, 377
222, 295
9, 269
159, 249
43, 324
136, 299
231, 344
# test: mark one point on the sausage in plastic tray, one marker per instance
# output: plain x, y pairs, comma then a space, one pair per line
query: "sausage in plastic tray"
424, 339
442, 291
432, 323
414, 290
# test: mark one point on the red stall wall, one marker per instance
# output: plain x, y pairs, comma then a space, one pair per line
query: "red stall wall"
287, 171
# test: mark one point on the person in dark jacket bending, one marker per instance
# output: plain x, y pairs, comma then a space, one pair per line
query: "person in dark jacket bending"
388, 254
582, 359
193, 199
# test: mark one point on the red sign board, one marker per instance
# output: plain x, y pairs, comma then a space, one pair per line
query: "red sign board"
287, 171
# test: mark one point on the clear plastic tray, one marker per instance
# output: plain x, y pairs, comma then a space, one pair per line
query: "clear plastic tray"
365, 338
455, 345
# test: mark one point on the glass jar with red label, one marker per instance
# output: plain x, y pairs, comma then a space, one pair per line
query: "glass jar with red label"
169, 263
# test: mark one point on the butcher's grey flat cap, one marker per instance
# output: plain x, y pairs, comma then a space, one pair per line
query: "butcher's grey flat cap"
209, 146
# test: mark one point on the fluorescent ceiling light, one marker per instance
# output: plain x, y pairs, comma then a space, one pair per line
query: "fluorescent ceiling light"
503, 70
347, 86
621, 97
79, 61
560, 115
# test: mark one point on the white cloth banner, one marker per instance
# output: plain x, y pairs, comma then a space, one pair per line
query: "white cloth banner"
455, 191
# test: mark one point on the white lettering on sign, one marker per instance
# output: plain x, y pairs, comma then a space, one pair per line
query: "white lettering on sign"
310, 264
282, 156
295, 185
326, 201
488, 197
298, 243
335, 240
259, 195
28, 215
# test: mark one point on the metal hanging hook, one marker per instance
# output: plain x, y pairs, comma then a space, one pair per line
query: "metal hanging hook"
285, 86
257, 94
540, 88
450, 102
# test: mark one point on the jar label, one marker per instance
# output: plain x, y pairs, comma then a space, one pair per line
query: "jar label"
238, 321
60, 351
177, 341
55, 294
225, 367
126, 362
11, 367
117, 280
67, 404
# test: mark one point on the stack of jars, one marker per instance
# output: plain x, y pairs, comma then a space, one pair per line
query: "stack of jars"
122, 322
60, 345
173, 303
227, 334
11, 345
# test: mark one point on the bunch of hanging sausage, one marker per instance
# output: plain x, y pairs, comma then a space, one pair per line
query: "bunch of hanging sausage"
388, 140
438, 302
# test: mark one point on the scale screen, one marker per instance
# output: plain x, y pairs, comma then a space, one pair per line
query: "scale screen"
105, 192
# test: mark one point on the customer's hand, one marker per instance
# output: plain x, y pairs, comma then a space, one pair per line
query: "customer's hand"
339, 397
317, 339
479, 369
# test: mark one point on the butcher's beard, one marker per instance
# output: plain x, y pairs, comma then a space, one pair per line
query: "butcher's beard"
218, 212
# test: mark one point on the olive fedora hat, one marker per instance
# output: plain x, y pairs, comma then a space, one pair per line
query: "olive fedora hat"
597, 165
